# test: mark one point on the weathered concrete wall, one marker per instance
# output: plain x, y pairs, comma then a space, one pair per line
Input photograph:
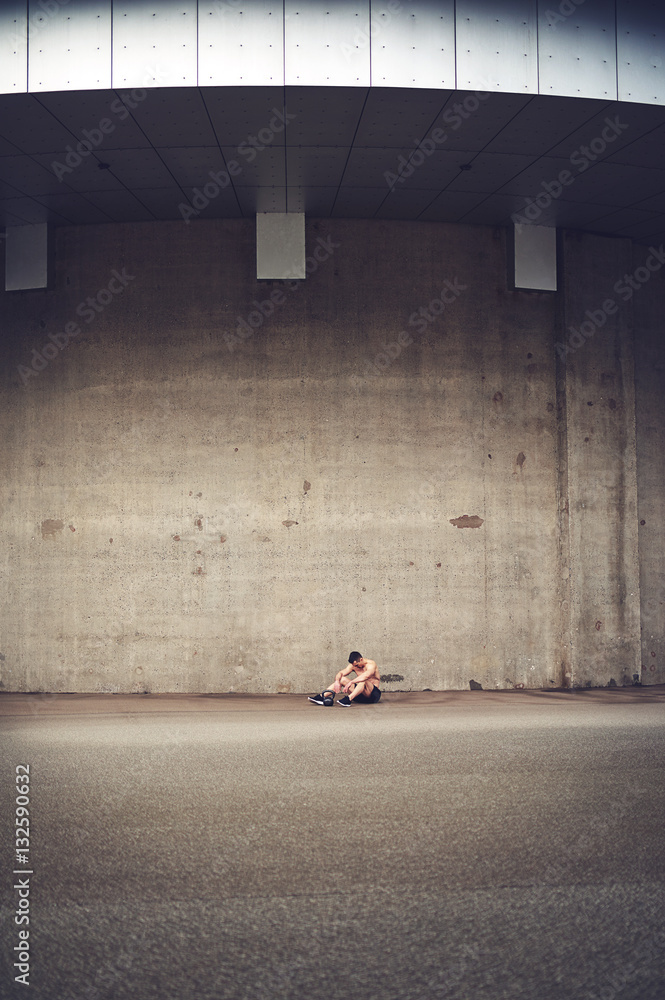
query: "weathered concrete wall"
649, 309
603, 602
193, 503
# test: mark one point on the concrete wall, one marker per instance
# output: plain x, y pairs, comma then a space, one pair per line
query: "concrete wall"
600, 456
211, 490
650, 419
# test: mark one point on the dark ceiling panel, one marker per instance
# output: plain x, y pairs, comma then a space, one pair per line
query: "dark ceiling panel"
323, 116
139, 168
404, 204
121, 206
77, 210
544, 125
317, 165
86, 176
347, 152
100, 114
28, 176
451, 206
175, 117
31, 127
396, 118
238, 114
317, 201
267, 167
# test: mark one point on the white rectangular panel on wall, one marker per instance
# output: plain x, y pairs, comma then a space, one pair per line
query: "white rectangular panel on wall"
14, 48
497, 46
577, 50
26, 257
280, 246
535, 258
241, 43
70, 47
412, 44
641, 51
154, 43
323, 43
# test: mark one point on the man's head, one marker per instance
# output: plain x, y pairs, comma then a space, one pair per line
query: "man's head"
355, 657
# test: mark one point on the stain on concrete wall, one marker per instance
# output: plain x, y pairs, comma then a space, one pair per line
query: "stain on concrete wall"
51, 528
467, 521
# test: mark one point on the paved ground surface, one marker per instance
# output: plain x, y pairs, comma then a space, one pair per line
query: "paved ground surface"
465, 845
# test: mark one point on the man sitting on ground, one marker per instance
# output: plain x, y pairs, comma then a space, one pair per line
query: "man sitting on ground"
364, 689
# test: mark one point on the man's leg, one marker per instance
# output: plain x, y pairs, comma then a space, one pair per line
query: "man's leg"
358, 689
328, 693
327, 697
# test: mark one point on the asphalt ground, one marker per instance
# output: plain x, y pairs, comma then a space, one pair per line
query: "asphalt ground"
458, 845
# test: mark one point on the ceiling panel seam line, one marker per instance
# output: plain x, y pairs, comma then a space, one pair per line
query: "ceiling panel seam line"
658, 233
350, 150
640, 137
134, 194
33, 198
154, 149
41, 204
587, 121
431, 125
514, 176
115, 177
73, 135
509, 122
31, 156
78, 194
620, 208
428, 205
476, 153
10, 143
221, 151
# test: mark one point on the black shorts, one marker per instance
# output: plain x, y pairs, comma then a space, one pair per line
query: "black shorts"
369, 699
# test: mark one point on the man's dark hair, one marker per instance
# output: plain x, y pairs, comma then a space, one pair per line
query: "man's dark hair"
355, 656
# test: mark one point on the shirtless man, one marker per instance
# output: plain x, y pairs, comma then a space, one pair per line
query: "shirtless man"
364, 689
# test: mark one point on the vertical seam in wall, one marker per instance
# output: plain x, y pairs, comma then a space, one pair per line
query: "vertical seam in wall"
27, 46
197, 43
112, 59
286, 165
369, 34
484, 467
537, 47
455, 40
616, 47
564, 588
631, 445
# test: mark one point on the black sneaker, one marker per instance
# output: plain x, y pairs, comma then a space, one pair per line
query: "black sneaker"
345, 701
321, 699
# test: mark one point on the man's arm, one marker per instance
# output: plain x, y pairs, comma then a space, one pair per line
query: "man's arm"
344, 673
368, 672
